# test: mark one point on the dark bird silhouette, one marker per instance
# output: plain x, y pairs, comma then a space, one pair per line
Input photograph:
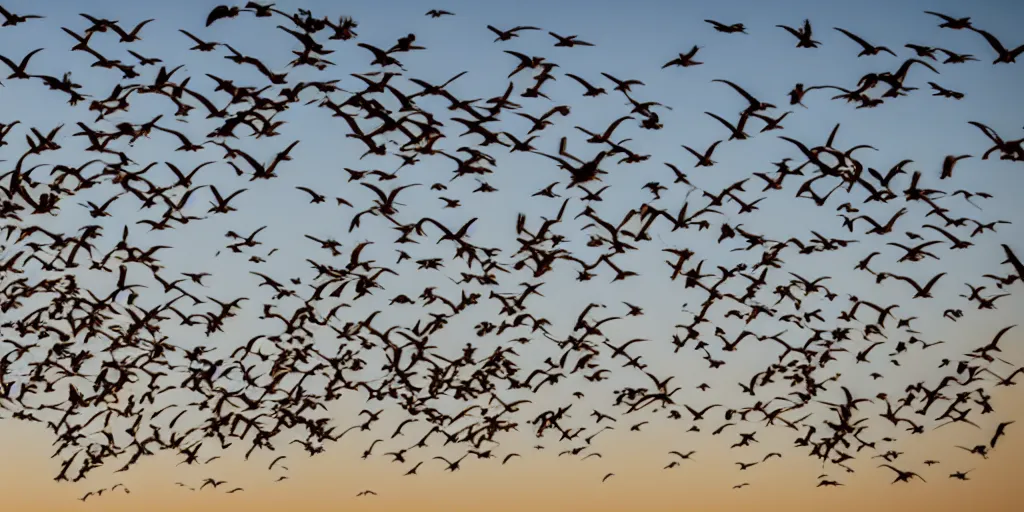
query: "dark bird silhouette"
685, 60
507, 35
803, 35
1003, 55
867, 48
951, 22
728, 29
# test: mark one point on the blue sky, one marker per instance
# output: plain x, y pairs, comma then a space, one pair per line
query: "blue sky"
631, 42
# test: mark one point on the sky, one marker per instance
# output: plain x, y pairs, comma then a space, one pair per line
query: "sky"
632, 40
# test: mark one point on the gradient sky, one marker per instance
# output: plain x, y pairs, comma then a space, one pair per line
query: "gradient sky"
632, 40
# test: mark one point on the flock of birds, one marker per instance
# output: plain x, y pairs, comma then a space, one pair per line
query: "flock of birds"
85, 317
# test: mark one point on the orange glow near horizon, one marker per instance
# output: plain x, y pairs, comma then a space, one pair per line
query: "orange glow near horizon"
539, 481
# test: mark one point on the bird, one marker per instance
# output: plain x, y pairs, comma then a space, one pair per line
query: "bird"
728, 29
867, 49
11, 19
684, 60
507, 35
1003, 55
591, 90
951, 22
221, 12
902, 476
1000, 432
18, 71
949, 163
568, 41
960, 475
803, 35
1012, 260
945, 93
211, 482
